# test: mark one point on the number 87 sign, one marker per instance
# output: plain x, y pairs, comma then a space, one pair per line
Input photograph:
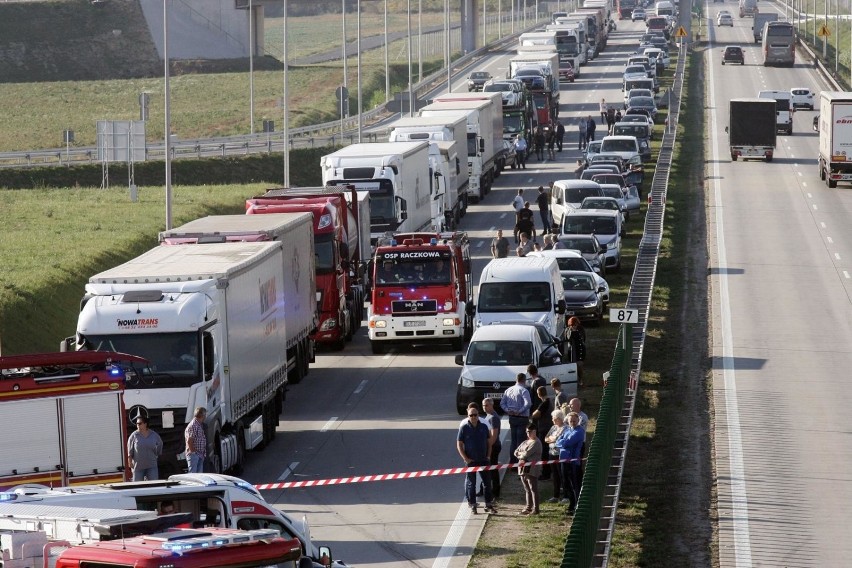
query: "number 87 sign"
623, 315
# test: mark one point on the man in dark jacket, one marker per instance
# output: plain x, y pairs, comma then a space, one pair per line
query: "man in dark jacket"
590, 128
560, 133
543, 202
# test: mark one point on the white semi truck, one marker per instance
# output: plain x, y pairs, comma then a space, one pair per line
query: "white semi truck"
397, 177
835, 137
300, 290
444, 159
484, 115
211, 320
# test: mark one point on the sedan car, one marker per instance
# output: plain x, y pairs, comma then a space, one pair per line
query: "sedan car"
592, 148
477, 80
645, 103
569, 259
512, 91
638, 14
802, 98
733, 54
724, 20
583, 296
589, 247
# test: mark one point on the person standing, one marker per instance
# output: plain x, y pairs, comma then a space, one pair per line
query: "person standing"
559, 397
474, 446
539, 143
550, 438
551, 144
144, 447
526, 245
582, 131
543, 202
521, 151
570, 445
534, 382
610, 118
578, 345
618, 115
524, 221
603, 107
499, 245
529, 451
560, 134
581, 166
543, 421
196, 441
492, 420
517, 404
518, 201
590, 129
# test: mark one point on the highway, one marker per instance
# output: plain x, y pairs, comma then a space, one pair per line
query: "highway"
360, 414
780, 246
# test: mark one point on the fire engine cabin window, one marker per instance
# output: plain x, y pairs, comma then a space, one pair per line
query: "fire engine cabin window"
173, 357
419, 269
514, 297
256, 523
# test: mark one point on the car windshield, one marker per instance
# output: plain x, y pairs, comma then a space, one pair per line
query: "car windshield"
513, 123
584, 245
612, 191
500, 353
618, 146
573, 263
634, 118
589, 225
616, 179
637, 69
497, 87
630, 130
578, 282
578, 194
480, 75
600, 204
641, 102
495, 297
392, 270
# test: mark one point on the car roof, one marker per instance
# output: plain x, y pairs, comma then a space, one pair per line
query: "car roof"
587, 213
556, 253
503, 331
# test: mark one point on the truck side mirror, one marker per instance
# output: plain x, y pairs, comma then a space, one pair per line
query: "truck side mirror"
560, 307
726, 130
481, 145
816, 123
470, 309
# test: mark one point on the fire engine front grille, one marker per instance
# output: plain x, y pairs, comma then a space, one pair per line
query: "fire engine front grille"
419, 307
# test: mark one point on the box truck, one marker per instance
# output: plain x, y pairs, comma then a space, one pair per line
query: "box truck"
295, 229
835, 137
211, 320
752, 132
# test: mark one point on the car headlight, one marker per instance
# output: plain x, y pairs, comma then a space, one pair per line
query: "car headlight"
380, 323
328, 324
449, 322
466, 382
590, 304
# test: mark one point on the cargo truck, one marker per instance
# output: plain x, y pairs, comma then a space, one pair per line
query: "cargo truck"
484, 115
341, 232
835, 137
537, 38
71, 408
751, 130
395, 174
438, 129
568, 46
294, 229
760, 19
211, 320
567, 65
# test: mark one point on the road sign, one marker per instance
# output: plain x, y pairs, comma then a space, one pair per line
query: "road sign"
681, 32
623, 315
342, 93
824, 31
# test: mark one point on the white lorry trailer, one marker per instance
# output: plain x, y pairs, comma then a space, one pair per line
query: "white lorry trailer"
484, 115
397, 177
441, 129
546, 62
211, 321
835, 137
537, 38
568, 46
300, 290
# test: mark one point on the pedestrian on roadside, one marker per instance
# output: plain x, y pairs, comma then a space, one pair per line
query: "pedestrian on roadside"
548, 242
582, 131
578, 171
610, 118
529, 451
551, 144
144, 447
521, 151
603, 107
526, 245
578, 345
543, 202
534, 381
499, 245
492, 420
590, 129
559, 397
473, 443
558, 418
539, 143
524, 222
618, 115
518, 201
543, 421
517, 404
196, 441
570, 445
560, 134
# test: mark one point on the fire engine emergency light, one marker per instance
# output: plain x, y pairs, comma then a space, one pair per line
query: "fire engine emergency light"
217, 541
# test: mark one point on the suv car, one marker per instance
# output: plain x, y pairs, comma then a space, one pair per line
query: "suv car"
497, 353
733, 54
477, 80
803, 97
604, 224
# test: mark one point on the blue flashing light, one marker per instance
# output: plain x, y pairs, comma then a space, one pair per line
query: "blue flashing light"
115, 371
433, 241
6, 497
393, 242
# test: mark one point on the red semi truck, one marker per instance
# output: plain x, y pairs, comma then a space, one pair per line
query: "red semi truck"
71, 407
343, 253
421, 290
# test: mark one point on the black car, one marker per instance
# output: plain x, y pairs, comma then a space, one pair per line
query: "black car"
477, 79
583, 296
733, 54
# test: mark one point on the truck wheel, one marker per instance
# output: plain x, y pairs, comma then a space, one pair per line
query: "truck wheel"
769, 158
821, 173
734, 157
831, 183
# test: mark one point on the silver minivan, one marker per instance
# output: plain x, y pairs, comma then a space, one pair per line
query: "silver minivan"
567, 195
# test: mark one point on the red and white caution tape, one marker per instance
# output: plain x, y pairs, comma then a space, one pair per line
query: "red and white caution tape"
392, 476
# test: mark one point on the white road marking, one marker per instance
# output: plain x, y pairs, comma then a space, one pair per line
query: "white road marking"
837, 256
290, 469
799, 174
845, 274
822, 224
480, 243
829, 239
329, 424
503, 215
360, 387
810, 196
739, 497
814, 206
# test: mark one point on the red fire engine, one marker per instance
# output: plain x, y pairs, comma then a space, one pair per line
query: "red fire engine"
421, 290
62, 418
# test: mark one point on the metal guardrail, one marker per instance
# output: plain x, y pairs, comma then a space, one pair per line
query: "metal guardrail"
317, 135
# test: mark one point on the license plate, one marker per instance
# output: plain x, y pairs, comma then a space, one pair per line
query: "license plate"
494, 395
414, 323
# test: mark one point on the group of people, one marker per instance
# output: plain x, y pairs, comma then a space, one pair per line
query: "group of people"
144, 447
586, 129
544, 138
542, 428
609, 115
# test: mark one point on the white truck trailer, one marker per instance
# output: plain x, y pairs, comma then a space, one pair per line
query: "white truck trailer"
300, 292
397, 177
211, 320
441, 129
835, 137
484, 115
568, 45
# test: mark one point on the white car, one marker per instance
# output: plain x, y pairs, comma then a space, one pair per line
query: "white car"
802, 97
571, 259
725, 20
511, 90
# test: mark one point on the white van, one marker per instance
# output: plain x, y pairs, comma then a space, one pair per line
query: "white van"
783, 109
664, 8
521, 288
204, 499
567, 195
